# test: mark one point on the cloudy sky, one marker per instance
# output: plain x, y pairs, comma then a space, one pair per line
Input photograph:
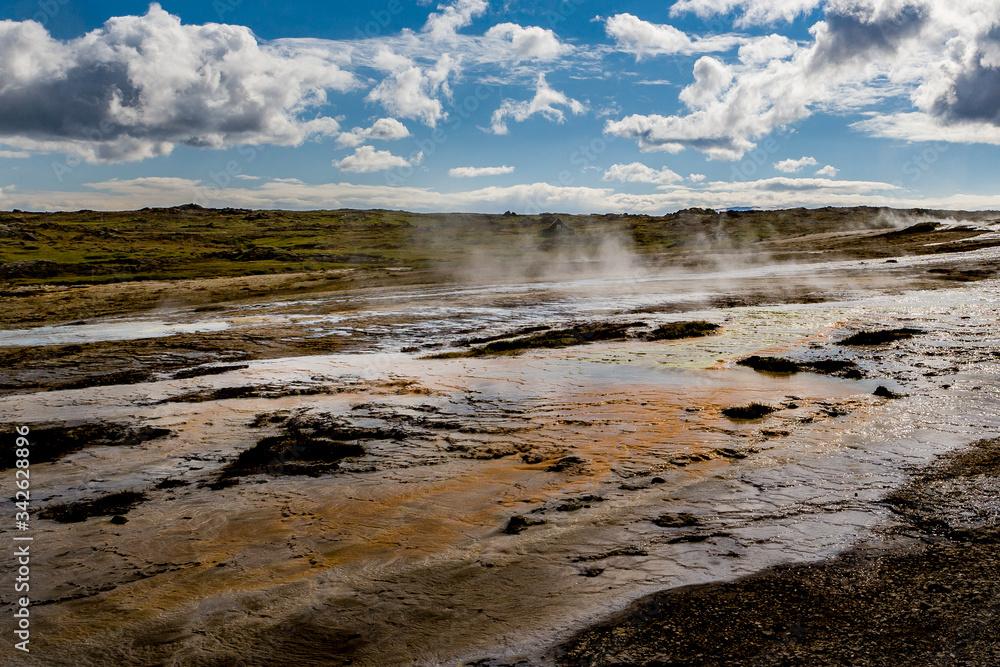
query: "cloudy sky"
490, 105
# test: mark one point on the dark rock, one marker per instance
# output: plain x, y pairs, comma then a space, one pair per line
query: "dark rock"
113, 503
678, 330
881, 337
578, 503
751, 411
885, 392
518, 524
770, 364
682, 520
570, 464
171, 483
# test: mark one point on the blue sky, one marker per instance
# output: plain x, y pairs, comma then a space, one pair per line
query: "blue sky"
473, 105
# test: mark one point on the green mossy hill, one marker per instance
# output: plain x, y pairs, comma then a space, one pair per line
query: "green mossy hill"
194, 242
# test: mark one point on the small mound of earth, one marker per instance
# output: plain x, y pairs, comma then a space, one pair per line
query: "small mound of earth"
572, 465
114, 503
309, 445
518, 524
770, 364
50, 443
750, 411
881, 337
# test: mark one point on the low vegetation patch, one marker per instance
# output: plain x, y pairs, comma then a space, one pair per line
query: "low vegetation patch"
751, 411
841, 367
309, 445
518, 524
919, 228
114, 503
682, 520
881, 337
676, 330
580, 334
770, 364
524, 331
50, 443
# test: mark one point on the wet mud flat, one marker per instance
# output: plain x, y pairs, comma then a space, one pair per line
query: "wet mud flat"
314, 486
924, 591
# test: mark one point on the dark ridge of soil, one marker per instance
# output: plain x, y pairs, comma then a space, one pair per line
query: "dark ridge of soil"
925, 593
568, 464
880, 337
750, 411
114, 503
310, 445
682, 520
171, 483
518, 524
466, 342
919, 228
246, 391
839, 367
770, 364
574, 504
582, 334
107, 363
677, 330
50, 443
202, 371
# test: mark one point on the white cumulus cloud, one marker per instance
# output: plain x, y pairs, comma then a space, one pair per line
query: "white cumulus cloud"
384, 129
641, 38
531, 43
791, 166
472, 172
829, 171
546, 102
451, 18
637, 172
366, 159
141, 85
751, 11
410, 91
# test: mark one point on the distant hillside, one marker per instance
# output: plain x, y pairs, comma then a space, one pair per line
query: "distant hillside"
190, 241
